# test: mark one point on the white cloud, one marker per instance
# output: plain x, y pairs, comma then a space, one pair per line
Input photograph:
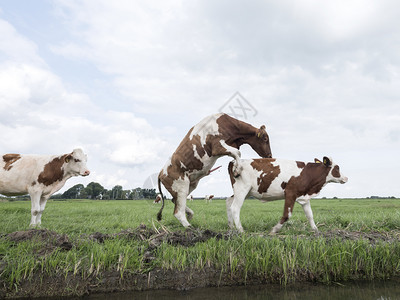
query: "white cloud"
324, 78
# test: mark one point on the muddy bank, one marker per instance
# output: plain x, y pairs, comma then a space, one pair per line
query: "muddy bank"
43, 284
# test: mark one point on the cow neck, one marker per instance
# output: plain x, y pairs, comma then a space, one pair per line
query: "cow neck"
236, 132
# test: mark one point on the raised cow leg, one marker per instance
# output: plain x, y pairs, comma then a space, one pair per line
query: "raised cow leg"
306, 204
224, 149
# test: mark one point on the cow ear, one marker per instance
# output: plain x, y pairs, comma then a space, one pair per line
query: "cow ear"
68, 158
317, 161
260, 132
327, 161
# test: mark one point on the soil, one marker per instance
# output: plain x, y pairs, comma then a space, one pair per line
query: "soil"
111, 281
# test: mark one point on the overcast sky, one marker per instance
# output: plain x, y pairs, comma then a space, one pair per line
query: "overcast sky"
126, 80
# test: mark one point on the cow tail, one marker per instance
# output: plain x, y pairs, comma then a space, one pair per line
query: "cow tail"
159, 215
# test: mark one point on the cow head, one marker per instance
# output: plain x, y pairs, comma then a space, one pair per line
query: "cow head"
334, 174
260, 143
75, 163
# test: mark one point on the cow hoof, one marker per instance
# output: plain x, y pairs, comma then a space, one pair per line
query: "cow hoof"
237, 169
189, 216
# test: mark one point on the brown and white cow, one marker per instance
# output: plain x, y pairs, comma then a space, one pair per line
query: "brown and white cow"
273, 179
40, 176
208, 198
215, 136
158, 198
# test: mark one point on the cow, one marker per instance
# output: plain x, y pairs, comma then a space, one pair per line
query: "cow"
158, 199
215, 136
272, 179
40, 176
208, 198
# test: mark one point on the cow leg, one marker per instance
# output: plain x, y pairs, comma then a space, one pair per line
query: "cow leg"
235, 207
180, 203
224, 149
188, 211
43, 201
306, 204
180, 210
229, 201
287, 213
35, 208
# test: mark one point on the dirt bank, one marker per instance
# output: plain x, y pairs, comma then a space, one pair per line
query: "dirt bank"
42, 284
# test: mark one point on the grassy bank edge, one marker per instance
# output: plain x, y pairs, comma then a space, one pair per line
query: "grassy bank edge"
240, 258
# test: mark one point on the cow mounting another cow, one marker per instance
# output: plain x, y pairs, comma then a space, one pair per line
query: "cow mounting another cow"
273, 179
40, 176
215, 136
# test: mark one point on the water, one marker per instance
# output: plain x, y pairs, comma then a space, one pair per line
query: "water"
385, 290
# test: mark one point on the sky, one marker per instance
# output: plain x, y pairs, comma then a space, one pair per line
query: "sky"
126, 80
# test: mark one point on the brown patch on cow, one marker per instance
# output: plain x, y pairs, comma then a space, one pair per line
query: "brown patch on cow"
230, 171
283, 185
268, 172
33, 183
310, 181
52, 171
184, 159
9, 159
336, 171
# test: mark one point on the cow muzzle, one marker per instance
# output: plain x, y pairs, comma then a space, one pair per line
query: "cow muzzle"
343, 180
86, 173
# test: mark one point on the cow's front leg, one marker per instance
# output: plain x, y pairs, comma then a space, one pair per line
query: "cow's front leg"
35, 208
287, 213
233, 210
306, 204
229, 201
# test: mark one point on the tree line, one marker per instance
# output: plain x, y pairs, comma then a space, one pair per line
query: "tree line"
95, 190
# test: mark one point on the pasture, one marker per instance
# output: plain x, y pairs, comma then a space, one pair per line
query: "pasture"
88, 244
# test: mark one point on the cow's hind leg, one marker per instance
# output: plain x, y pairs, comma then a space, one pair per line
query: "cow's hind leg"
188, 211
180, 210
43, 201
180, 203
287, 213
35, 208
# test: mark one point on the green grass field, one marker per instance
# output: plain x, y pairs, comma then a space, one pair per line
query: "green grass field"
75, 217
336, 254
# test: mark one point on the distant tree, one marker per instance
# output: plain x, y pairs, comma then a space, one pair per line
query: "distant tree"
116, 192
74, 192
149, 193
93, 190
137, 193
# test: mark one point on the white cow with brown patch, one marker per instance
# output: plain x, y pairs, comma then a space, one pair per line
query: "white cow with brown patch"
208, 198
215, 136
271, 179
40, 176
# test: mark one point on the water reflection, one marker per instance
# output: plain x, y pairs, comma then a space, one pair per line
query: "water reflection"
361, 290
